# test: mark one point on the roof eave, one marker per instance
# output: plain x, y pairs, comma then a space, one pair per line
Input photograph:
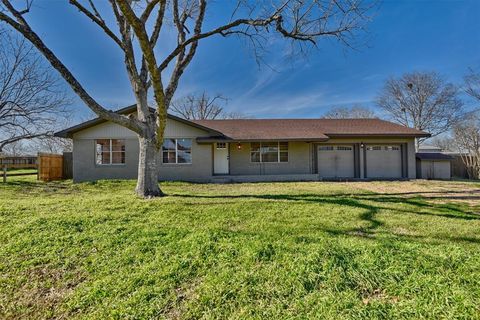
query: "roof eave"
69, 132
435, 156
227, 139
194, 124
393, 135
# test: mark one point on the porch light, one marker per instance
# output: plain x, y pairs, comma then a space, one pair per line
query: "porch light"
362, 145
239, 146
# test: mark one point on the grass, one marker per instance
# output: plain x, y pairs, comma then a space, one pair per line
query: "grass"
265, 250
14, 172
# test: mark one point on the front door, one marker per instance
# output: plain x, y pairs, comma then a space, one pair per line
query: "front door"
220, 158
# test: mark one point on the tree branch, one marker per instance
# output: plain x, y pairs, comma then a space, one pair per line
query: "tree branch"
97, 19
182, 59
151, 63
158, 23
23, 28
3, 143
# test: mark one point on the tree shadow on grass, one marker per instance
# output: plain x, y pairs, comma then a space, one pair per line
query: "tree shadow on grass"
375, 204
441, 210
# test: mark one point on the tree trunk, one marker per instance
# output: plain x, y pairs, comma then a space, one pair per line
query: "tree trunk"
147, 181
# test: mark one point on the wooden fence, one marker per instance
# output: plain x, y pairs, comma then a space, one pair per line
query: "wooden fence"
67, 165
18, 161
48, 166
459, 170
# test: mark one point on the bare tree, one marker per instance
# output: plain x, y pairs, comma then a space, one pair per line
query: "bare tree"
47, 144
236, 115
52, 145
466, 136
15, 149
192, 107
472, 84
31, 97
444, 142
203, 107
355, 112
139, 26
422, 100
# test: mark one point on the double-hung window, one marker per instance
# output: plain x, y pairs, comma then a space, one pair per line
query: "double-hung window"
177, 151
110, 151
269, 152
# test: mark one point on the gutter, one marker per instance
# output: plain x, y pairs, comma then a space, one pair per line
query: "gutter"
201, 140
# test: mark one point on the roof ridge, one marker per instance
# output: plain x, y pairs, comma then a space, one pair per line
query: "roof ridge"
293, 119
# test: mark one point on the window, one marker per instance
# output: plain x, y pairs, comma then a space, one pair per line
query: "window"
110, 151
375, 148
269, 152
344, 148
221, 145
255, 152
325, 148
392, 148
283, 146
177, 151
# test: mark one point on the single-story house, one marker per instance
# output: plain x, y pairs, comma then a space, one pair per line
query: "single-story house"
250, 150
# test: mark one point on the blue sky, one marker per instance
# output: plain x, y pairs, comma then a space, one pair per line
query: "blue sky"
405, 35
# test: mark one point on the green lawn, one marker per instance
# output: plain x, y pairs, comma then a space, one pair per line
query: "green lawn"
265, 250
32, 174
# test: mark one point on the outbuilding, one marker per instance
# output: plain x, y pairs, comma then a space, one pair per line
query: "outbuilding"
433, 165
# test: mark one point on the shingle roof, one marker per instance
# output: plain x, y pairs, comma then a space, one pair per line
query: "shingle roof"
432, 156
278, 129
68, 133
310, 129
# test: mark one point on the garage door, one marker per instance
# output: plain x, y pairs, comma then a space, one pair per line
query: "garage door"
384, 161
435, 169
336, 161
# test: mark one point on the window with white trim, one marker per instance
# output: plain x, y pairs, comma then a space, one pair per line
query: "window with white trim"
374, 148
177, 151
269, 152
109, 151
344, 148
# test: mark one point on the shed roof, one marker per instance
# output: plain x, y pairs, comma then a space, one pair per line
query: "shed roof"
433, 156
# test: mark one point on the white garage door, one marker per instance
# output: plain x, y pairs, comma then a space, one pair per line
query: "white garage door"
384, 161
336, 161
